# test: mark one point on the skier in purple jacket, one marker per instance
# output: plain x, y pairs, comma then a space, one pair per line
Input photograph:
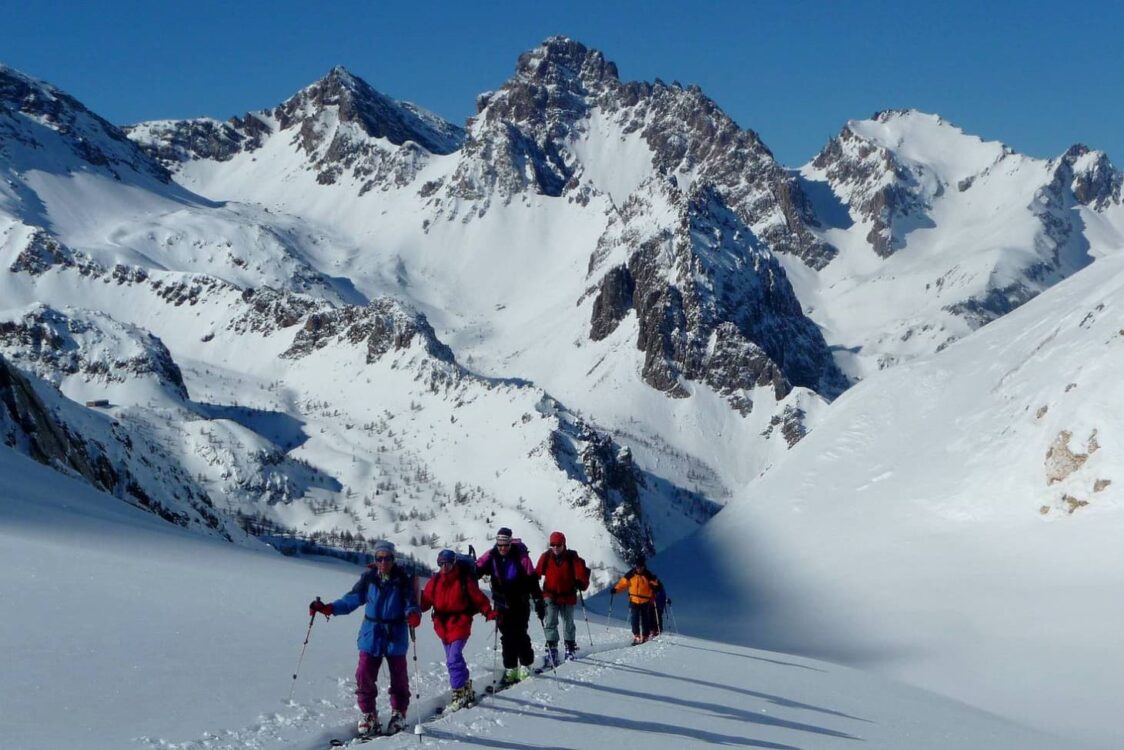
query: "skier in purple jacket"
514, 586
389, 596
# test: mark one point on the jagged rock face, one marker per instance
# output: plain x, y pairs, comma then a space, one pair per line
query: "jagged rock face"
875, 185
523, 139
712, 305
92, 346
29, 107
173, 142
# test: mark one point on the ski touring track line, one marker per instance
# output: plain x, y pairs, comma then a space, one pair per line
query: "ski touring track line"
584, 669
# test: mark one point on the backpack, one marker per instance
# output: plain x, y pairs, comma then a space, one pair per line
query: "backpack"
466, 566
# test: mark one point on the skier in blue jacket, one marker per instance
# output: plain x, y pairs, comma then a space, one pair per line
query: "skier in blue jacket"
389, 596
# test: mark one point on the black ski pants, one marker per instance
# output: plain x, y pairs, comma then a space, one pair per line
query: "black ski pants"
514, 621
642, 617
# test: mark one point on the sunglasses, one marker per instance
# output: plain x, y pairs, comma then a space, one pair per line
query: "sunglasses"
558, 545
503, 544
384, 558
444, 563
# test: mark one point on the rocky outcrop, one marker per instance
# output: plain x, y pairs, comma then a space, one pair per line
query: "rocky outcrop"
1091, 177
610, 480
90, 345
28, 426
875, 185
712, 304
382, 326
172, 142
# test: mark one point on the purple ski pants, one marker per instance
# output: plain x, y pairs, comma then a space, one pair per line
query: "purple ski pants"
366, 682
454, 660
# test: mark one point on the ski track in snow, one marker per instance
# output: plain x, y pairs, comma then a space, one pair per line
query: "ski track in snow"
312, 726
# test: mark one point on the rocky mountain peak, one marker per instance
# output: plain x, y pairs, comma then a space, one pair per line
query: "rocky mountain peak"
871, 180
560, 59
357, 102
530, 135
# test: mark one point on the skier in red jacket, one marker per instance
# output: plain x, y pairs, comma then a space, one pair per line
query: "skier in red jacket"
455, 597
564, 574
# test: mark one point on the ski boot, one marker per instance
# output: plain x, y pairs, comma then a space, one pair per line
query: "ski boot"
463, 697
637, 640
522, 672
571, 650
550, 658
369, 725
510, 677
397, 722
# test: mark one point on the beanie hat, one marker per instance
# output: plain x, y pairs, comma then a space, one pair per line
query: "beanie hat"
384, 545
446, 555
557, 537
503, 535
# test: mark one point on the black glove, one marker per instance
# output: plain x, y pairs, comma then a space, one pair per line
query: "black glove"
540, 609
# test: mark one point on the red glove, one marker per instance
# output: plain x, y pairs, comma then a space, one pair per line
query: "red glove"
321, 607
413, 619
491, 614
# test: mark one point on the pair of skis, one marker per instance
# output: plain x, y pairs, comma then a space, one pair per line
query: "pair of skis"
363, 739
490, 689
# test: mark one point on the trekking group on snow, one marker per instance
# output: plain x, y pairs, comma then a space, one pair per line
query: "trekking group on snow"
393, 608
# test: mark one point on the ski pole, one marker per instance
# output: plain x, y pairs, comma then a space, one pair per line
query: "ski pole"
307, 635
609, 617
674, 624
417, 674
495, 651
585, 615
553, 668
417, 685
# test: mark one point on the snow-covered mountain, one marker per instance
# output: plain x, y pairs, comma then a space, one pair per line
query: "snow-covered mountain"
941, 232
189, 317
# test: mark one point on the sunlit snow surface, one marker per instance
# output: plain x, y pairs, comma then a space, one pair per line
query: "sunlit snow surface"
928, 529
128, 633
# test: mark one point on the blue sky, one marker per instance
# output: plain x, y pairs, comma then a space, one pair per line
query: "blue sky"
1035, 75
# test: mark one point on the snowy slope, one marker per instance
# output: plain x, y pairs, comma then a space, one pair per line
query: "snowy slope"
954, 522
134, 634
